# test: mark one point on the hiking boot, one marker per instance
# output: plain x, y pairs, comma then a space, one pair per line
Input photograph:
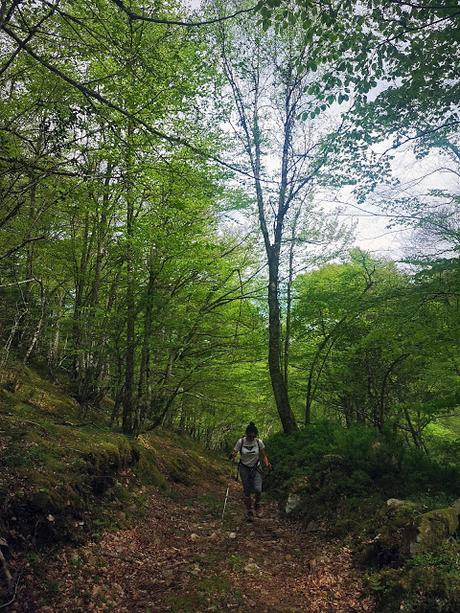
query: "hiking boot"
258, 510
250, 515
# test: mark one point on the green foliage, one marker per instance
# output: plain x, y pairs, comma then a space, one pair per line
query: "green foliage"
406, 50
112, 229
426, 583
376, 350
121, 260
340, 469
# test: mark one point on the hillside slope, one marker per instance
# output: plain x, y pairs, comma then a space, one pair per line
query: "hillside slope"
65, 476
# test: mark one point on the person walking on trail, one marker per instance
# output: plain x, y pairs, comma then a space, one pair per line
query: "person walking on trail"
251, 450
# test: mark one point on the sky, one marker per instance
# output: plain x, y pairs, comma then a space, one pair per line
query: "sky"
372, 231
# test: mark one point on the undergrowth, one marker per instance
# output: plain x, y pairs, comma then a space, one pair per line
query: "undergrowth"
365, 462
426, 583
342, 478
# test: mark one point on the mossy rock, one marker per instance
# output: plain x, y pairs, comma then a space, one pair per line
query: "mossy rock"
433, 528
146, 469
297, 484
405, 531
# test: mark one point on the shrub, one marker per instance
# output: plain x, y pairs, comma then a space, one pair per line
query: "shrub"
427, 583
345, 473
390, 467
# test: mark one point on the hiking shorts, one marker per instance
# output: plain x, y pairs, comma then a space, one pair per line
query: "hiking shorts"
251, 478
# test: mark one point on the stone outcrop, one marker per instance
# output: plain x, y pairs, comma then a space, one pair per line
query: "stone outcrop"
405, 532
434, 527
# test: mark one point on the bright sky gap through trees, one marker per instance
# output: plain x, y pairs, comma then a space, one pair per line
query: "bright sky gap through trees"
372, 232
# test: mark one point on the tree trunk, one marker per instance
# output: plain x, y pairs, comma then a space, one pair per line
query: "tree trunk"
279, 386
39, 327
143, 389
128, 420
287, 332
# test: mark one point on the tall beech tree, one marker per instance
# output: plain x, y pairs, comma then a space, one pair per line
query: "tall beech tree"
267, 81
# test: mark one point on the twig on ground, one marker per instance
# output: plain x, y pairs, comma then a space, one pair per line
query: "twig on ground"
6, 571
13, 598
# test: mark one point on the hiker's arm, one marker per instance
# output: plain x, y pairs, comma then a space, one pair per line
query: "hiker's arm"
264, 455
235, 451
233, 455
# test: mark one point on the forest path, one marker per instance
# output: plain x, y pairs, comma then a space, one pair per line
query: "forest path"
181, 558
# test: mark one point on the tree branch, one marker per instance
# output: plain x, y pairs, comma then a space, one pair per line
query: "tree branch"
86, 91
24, 242
187, 24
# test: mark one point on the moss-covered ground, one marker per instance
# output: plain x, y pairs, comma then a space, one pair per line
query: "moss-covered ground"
66, 476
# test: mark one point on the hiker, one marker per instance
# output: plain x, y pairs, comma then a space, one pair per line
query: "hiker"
251, 449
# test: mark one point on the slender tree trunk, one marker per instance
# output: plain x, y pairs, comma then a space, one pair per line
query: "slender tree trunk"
143, 389
31, 245
287, 332
81, 272
55, 340
415, 435
279, 386
314, 377
128, 417
39, 326
94, 342
383, 389
6, 350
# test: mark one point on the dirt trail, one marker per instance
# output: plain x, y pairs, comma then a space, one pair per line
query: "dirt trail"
181, 558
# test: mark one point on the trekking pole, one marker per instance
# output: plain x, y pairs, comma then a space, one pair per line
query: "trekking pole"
225, 503
235, 477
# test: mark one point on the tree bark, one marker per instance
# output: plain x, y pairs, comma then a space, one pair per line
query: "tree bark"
280, 390
128, 420
287, 332
143, 388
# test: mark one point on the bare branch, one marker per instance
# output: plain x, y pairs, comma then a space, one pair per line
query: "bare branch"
174, 22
